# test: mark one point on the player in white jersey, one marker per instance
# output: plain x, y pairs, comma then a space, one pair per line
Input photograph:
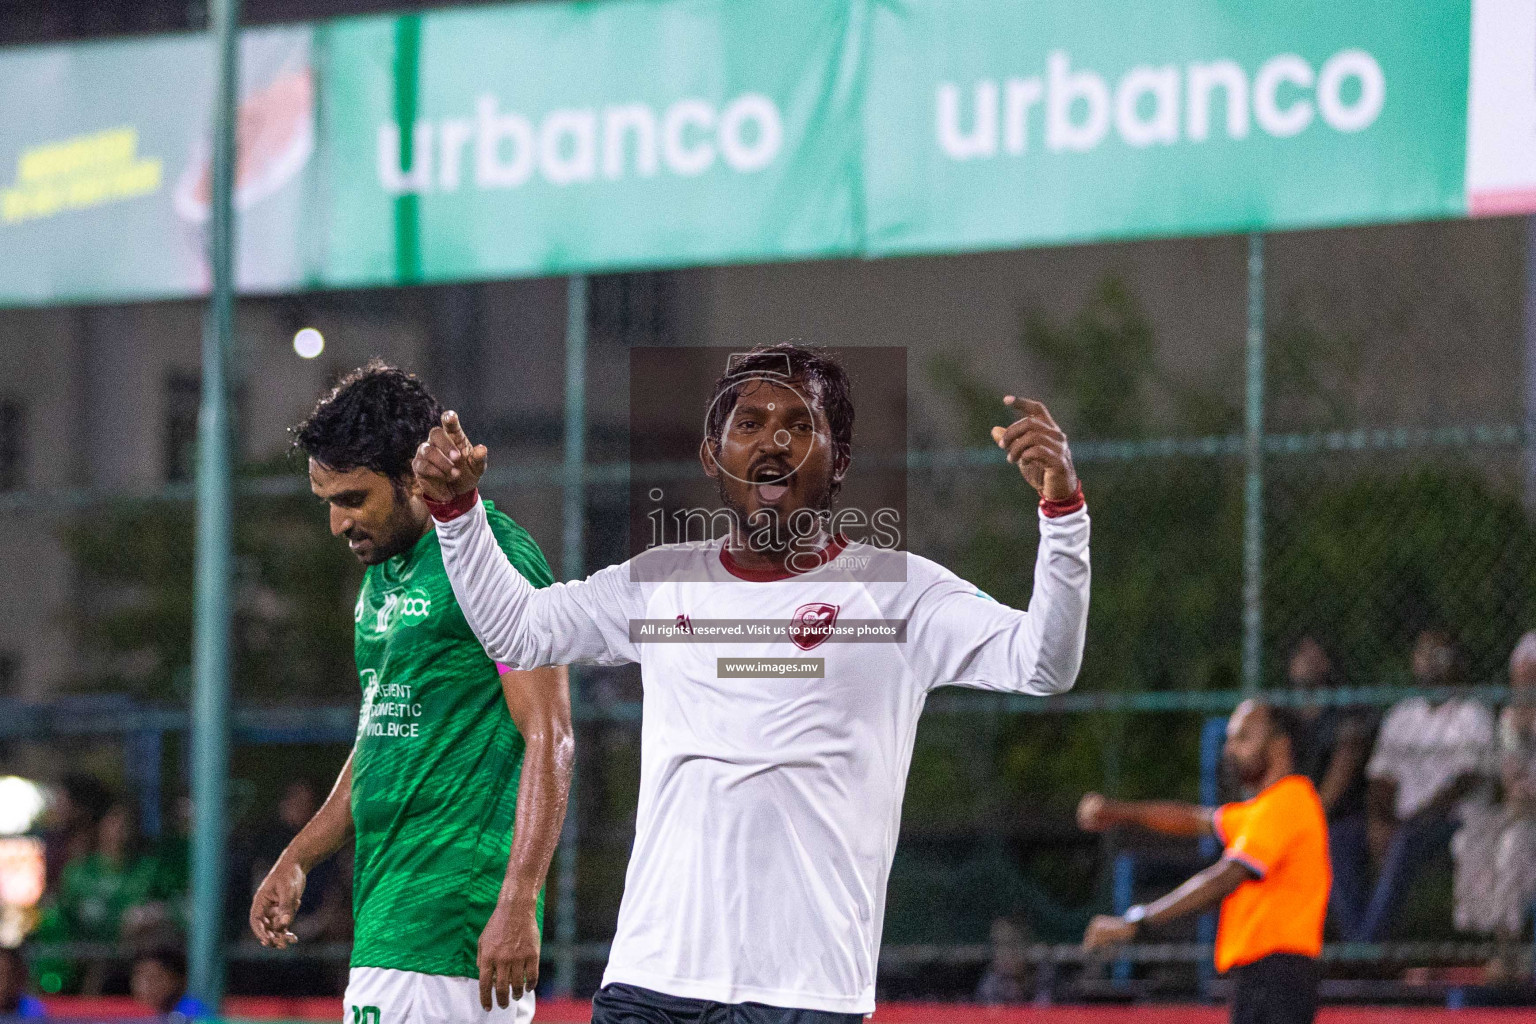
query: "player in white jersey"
770, 802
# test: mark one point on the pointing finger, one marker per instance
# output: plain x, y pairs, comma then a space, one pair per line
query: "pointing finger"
1029, 407
455, 431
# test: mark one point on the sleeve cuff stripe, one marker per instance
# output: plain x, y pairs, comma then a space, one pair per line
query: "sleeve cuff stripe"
447, 511
1247, 862
1065, 506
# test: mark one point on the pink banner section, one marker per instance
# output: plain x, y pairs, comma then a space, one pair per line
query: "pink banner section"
1507, 202
1501, 109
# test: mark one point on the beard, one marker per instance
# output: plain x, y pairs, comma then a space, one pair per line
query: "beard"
398, 535
767, 530
1245, 774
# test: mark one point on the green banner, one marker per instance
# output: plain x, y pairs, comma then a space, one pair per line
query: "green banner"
108, 154
551, 138
1003, 124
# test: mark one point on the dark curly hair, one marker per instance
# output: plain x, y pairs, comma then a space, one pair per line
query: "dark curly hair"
823, 376
374, 418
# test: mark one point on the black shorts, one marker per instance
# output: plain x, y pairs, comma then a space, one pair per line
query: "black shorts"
1277, 989
630, 1004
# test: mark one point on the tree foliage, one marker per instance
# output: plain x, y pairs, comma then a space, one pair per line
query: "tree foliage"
1363, 551
293, 600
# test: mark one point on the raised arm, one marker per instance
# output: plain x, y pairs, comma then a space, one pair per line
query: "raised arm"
966, 638
519, 625
1096, 813
963, 637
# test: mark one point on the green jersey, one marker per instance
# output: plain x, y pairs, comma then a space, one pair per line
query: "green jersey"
436, 767
95, 893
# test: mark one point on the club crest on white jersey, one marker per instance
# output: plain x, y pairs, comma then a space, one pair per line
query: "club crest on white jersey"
812, 624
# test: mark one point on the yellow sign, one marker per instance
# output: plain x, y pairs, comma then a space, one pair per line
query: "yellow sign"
87, 170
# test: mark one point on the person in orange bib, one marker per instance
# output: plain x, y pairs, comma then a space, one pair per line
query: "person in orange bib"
1272, 879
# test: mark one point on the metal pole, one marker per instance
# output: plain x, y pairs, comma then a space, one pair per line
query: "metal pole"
1213, 735
572, 555
1253, 482
213, 562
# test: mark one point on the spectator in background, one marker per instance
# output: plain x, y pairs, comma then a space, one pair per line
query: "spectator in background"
1495, 848
14, 1000
106, 895
1427, 770
325, 910
80, 800
1336, 742
159, 984
295, 807
171, 908
96, 890
1008, 978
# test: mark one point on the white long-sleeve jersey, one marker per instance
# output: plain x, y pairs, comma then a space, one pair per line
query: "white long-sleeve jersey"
769, 806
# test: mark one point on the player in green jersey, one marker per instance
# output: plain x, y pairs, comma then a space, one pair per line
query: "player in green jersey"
456, 786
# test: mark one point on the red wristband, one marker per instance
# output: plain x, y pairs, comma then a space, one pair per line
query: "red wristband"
1064, 506
447, 511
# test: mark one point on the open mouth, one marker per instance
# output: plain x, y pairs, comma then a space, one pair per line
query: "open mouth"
771, 483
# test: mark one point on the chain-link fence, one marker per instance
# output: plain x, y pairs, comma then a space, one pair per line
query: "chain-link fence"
1373, 534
